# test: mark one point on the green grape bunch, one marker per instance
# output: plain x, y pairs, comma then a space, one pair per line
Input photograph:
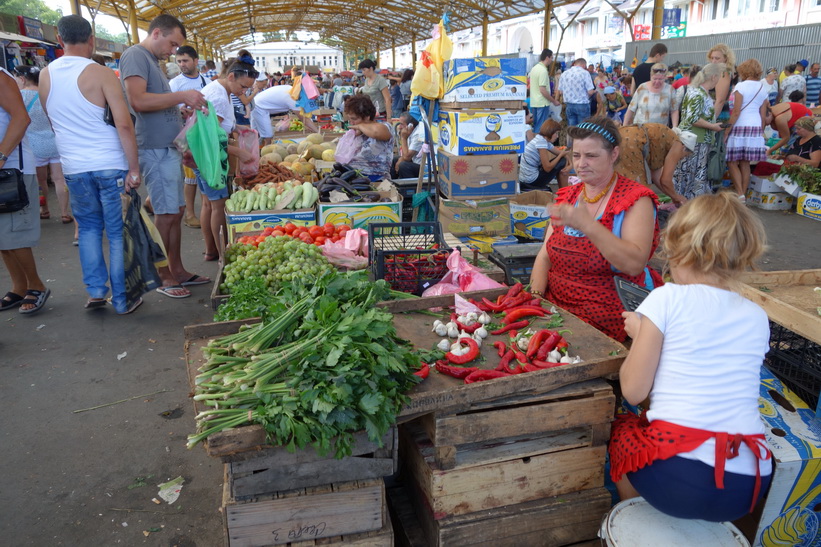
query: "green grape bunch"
277, 260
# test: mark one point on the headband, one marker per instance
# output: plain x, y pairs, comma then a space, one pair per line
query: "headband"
598, 129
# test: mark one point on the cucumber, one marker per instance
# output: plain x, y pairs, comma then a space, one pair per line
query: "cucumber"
307, 195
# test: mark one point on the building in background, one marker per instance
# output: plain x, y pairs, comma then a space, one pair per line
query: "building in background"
275, 56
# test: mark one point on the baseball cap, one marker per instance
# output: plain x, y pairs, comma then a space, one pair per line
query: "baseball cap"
609, 89
804, 63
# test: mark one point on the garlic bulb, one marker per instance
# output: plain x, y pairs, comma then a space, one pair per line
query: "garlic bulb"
441, 330
453, 332
444, 345
481, 331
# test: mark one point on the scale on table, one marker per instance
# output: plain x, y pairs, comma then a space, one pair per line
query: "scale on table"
630, 294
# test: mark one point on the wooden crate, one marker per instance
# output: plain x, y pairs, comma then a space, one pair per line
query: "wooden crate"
457, 436
344, 513
491, 476
550, 522
275, 469
788, 298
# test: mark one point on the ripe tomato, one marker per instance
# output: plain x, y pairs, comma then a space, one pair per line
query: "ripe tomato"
277, 233
329, 228
320, 240
335, 238
315, 231
344, 229
307, 238
298, 232
289, 228
268, 230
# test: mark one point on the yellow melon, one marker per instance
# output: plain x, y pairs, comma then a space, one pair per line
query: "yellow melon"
315, 138
328, 155
271, 157
291, 158
315, 151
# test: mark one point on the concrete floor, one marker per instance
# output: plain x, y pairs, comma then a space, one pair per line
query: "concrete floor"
73, 478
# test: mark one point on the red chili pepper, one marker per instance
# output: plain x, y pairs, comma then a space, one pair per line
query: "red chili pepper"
546, 364
513, 333
514, 290
516, 315
481, 305
470, 329
535, 302
423, 372
460, 373
515, 301
511, 326
493, 306
562, 345
472, 354
521, 357
500, 347
482, 375
536, 342
506, 359
532, 367
507, 311
548, 345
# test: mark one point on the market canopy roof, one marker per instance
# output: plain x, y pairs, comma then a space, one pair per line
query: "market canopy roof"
368, 24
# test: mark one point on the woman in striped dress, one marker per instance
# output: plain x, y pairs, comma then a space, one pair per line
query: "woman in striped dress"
745, 143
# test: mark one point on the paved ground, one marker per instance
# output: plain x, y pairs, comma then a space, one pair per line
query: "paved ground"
88, 478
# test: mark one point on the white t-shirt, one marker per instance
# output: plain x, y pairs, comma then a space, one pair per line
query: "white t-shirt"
755, 93
181, 82
531, 159
709, 372
219, 97
275, 100
416, 141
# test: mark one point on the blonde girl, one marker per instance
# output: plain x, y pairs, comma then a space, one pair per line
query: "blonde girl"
697, 350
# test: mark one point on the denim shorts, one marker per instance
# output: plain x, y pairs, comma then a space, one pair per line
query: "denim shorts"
211, 193
576, 113
162, 173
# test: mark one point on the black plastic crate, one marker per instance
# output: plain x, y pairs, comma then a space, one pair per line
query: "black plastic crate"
407, 189
516, 260
410, 256
795, 361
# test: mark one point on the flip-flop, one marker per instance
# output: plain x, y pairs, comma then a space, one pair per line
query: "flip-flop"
133, 307
39, 301
68, 219
195, 280
11, 300
167, 291
210, 257
94, 304
45, 216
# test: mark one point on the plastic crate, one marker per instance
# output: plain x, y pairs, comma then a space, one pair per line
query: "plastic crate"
796, 361
517, 268
407, 189
410, 256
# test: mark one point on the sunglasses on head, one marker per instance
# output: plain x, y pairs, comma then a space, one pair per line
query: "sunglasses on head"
251, 73
659, 71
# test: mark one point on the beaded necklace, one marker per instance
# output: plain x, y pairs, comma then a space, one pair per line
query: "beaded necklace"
601, 194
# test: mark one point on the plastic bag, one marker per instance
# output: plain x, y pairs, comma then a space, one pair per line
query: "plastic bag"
248, 139
310, 88
181, 142
461, 277
209, 146
141, 252
350, 253
283, 125
348, 147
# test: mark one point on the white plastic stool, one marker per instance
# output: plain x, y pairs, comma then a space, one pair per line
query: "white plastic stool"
635, 523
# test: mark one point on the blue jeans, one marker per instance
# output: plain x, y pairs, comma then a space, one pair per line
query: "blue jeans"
576, 113
540, 115
96, 204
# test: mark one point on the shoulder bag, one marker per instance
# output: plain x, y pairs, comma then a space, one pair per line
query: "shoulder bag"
13, 195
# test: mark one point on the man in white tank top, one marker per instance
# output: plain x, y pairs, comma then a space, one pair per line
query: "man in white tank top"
99, 161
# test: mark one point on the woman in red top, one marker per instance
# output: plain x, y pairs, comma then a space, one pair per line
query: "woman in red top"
601, 227
782, 118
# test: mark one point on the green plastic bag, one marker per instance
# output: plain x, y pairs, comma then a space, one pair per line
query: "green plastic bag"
209, 146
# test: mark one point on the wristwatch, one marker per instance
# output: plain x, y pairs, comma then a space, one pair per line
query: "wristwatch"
3, 157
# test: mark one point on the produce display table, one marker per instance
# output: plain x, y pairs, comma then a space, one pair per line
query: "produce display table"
788, 298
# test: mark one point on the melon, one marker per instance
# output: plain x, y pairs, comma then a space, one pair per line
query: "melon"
326, 146
291, 158
291, 149
315, 138
268, 149
301, 147
328, 155
302, 168
281, 150
315, 151
271, 157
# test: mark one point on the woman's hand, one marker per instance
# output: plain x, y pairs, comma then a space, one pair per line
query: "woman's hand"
568, 215
632, 323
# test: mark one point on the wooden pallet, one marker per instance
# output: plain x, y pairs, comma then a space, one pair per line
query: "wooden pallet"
568, 519
344, 513
459, 438
492, 476
788, 298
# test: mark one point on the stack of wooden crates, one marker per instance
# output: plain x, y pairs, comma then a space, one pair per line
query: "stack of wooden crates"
275, 497
525, 470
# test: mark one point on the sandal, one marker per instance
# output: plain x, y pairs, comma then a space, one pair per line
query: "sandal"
39, 300
11, 300
195, 280
211, 257
67, 219
95, 303
133, 307
45, 216
174, 291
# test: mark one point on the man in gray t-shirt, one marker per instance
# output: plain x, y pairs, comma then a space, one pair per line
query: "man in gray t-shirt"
158, 123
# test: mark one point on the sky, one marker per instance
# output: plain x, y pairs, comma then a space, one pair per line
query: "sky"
112, 24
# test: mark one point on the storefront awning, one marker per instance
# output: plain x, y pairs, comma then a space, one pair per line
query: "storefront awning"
21, 38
